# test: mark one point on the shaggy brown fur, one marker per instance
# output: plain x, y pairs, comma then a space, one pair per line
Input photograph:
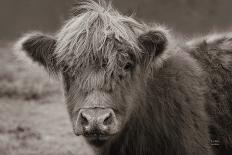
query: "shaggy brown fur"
214, 54
168, 99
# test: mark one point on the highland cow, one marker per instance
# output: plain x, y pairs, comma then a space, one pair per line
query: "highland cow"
132, 89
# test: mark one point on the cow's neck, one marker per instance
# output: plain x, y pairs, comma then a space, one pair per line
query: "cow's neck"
135, 140
143, 135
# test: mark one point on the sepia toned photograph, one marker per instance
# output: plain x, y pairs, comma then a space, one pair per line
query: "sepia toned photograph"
115, 77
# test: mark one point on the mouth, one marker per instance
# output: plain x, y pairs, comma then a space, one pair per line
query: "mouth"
97, 140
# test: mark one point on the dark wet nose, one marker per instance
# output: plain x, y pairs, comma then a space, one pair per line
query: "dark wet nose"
97, 121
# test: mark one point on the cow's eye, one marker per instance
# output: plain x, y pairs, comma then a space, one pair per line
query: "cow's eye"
104, 63
128, 66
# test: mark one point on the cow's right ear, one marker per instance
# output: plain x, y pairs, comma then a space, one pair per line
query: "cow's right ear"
39, 48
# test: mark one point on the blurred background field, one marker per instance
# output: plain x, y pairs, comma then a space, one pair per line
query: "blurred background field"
33, 116
187, 16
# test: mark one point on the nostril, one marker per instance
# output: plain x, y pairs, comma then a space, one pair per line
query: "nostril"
108, 120
84, 120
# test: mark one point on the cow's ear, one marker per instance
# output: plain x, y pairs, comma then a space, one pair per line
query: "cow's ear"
153, 42
39, 48
155, 45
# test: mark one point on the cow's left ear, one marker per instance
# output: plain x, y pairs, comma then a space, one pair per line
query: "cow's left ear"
153, 42
155, 45
39, 48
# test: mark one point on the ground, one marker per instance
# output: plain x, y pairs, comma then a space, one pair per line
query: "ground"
33, 116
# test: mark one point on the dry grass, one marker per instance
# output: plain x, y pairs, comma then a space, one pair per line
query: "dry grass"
28, 127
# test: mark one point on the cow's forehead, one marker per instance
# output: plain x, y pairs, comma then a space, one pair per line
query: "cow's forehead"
112, 54
95, 34
112, 63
